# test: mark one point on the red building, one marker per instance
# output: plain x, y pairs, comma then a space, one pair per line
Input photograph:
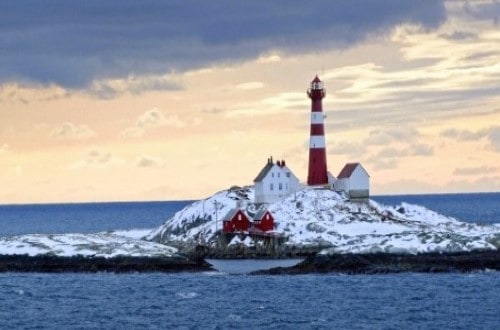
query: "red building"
238, 221
263, 221
235, 221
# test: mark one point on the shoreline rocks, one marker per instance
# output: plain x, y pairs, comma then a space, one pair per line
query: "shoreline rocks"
384, 263
83, 264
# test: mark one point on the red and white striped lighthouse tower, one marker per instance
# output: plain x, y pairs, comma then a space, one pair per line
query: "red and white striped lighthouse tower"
317, 173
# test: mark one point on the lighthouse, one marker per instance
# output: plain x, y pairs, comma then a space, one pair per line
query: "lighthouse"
317, 172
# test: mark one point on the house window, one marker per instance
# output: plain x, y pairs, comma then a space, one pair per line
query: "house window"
239, 217
272, 186
278, 175
280, 186
272, 174
288, 175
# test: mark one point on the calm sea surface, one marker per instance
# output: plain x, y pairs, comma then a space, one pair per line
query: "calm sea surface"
219, 300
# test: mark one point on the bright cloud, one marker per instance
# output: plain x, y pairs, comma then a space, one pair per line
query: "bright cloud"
152, 119
97, 159
68, 130
146, 161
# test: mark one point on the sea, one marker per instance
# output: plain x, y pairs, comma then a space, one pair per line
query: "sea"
236, 300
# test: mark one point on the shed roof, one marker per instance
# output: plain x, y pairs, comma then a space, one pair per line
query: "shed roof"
347, 171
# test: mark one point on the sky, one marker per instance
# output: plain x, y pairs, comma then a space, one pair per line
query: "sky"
172, 100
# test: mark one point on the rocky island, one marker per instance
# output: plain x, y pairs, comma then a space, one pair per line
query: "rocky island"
333, 233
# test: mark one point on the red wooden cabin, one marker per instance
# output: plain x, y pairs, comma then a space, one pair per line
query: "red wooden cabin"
264, 221
235, 221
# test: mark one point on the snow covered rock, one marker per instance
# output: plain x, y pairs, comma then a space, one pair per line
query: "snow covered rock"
106, 245
198, 222
326, 220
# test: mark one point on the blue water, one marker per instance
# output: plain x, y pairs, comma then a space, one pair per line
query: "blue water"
221, 301
84, 217
207, 301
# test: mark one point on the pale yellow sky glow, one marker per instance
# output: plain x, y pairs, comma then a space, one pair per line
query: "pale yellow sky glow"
420, 109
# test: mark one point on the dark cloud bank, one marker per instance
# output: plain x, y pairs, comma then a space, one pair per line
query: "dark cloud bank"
71, 43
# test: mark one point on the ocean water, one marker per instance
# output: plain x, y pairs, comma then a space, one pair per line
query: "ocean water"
213, 301
225, 301
84, 217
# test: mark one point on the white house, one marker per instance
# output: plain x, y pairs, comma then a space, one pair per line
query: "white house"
274, 182
354, 181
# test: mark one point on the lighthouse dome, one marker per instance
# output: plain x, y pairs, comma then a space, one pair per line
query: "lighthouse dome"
316, 83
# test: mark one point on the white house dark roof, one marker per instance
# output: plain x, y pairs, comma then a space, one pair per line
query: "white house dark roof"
262, 174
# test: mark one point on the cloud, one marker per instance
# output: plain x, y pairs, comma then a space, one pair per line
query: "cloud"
154, 118
71, 131
472, 171
146, 161
107, 89
383, 164
459, 35
494, 138
411, 150
389, 135
97, 159
484, 10
421, 150
464, 135
347, 148
250, 85
73, 44
214, 110
492, 134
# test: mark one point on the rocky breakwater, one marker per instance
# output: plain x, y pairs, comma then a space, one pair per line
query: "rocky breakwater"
86, 264
384, 263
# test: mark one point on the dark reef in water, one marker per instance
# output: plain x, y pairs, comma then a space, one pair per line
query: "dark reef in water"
384, 263
81, 264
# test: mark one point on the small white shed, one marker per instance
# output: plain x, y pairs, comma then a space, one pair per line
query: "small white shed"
354, 180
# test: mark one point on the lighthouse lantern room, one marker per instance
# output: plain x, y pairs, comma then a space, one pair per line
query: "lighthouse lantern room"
317, 171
